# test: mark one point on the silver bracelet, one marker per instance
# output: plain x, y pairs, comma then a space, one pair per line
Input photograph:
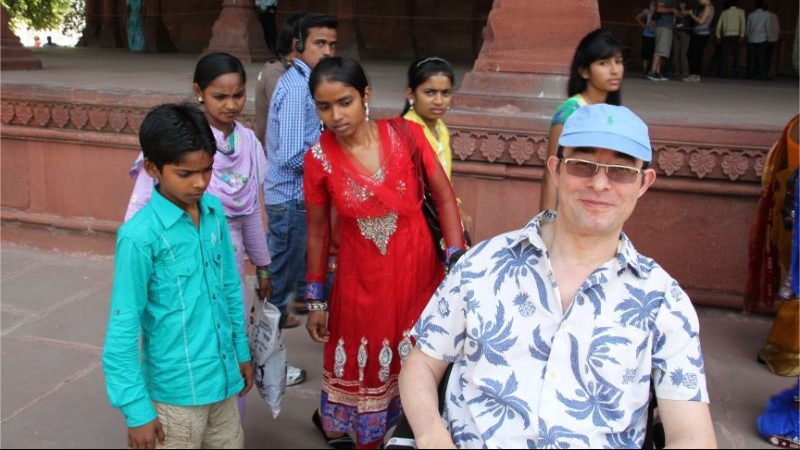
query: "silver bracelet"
317, 306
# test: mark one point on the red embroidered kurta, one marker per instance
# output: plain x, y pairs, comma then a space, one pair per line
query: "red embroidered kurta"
387, 269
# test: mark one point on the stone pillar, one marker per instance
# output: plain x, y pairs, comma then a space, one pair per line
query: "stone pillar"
151, 15
521, 72
500, 117
109, 30
237, 31
15, 56
346, 34
90, 31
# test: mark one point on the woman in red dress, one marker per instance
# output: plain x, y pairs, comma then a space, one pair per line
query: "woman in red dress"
387, 268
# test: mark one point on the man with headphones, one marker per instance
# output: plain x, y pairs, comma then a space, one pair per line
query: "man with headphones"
271, 72
293, 127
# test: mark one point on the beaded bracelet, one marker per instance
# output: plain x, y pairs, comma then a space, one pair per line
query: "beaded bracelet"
317, 306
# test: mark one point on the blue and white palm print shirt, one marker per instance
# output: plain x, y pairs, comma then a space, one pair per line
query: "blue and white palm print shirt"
529, 375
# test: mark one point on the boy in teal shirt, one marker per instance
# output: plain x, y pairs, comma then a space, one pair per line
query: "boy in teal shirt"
176, 287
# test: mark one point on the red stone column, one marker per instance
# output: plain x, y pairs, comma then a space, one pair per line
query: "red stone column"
90, 31
521, 72
237, 31
346, 34
151, 16
109, 30
15, 56
501, 112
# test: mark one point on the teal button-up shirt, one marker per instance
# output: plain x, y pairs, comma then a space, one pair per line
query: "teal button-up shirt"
177, 287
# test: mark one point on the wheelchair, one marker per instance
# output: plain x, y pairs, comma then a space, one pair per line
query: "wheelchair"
403, 436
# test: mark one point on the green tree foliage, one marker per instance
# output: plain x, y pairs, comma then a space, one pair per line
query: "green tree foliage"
75, 20
38, 14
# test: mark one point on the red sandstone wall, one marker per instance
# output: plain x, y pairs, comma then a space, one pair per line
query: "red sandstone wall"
700, 239
65, 156
65, 179
65, 161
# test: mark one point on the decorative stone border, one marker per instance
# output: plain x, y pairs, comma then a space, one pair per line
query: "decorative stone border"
63, 115
670, 159
104, 118
93, 123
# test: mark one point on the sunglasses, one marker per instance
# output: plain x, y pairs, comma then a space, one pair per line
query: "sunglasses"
588, 169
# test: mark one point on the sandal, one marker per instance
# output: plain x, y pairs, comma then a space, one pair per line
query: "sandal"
291, 322
343, 442
299, 306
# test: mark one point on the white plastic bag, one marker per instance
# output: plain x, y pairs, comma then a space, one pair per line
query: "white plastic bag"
269, 355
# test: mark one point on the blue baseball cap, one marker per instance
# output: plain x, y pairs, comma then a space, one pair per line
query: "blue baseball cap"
607, 126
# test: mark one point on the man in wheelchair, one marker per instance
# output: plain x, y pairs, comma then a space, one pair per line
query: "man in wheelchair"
556, 332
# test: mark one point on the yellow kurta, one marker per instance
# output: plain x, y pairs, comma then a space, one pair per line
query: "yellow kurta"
441, 145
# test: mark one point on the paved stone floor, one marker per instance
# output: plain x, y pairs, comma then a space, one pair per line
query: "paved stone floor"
54, 308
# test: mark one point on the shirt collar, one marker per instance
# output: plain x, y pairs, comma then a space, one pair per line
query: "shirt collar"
169, 213
627, 256
301, 66
532, 232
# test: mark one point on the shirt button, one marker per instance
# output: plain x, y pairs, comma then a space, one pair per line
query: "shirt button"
224, 356
553, 375
219, 326
206, 263
213, 296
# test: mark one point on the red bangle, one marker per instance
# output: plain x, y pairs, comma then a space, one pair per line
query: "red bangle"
316, 278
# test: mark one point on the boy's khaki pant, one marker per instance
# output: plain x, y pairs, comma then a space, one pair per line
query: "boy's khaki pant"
208, 426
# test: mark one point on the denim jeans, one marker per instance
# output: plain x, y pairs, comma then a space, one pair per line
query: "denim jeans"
286, 236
